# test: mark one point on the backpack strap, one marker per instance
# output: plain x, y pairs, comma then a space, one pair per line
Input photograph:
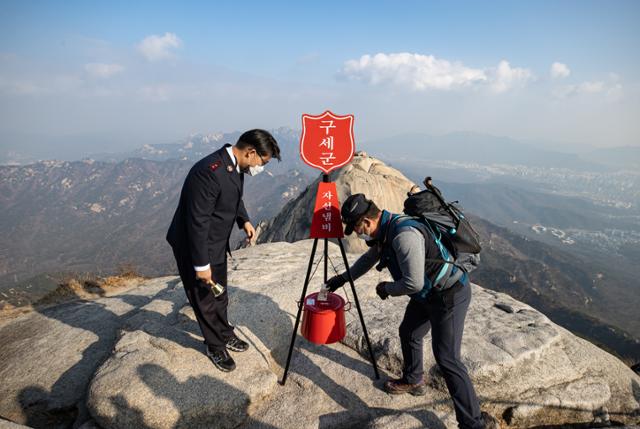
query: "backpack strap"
450, 272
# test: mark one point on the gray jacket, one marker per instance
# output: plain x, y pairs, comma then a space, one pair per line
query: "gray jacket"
408, 247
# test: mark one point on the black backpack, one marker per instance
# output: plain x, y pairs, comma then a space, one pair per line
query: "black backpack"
457, 233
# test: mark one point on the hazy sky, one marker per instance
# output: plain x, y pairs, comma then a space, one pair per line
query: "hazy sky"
105, 76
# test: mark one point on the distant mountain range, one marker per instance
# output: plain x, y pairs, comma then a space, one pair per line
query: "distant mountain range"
486, 149
101, 214
572, 223
98, 215
617, 157
580, 293
467, 147
197, 146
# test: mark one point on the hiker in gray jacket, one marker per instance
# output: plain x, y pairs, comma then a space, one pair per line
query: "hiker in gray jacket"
405, 247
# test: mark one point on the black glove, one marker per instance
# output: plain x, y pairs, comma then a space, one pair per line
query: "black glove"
335, 282
381, 290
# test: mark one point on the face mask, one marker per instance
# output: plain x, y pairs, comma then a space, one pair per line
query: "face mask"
255, 170
365, 237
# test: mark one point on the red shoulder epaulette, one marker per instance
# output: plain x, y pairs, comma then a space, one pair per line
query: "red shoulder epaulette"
214, 165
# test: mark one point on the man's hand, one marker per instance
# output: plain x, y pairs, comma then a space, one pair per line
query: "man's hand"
204, 276
250, 231
335, 282
381, 290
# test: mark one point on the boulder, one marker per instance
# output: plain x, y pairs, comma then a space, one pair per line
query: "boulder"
156, 382
49, 356
386, 186
6, 424
150, 370
334, 387
158, 375
523, 366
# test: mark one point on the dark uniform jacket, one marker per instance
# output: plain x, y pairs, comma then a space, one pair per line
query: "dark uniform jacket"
210, 203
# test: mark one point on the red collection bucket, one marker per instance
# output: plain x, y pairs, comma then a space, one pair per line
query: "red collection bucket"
323, 321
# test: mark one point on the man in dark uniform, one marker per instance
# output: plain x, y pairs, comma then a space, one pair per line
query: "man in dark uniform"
210, 203
438, 301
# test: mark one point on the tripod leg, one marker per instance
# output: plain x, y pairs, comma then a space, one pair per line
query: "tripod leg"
355, 298
301, 304
326, 260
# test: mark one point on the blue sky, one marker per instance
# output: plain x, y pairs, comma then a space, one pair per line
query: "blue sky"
112, 75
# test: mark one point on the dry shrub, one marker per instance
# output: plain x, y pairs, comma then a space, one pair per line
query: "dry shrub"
127, 276
129, 270
76, 286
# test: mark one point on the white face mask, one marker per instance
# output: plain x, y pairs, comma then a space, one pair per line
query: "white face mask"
365, 237
255, 170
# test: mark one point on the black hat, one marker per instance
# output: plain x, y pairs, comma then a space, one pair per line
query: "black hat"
353, 209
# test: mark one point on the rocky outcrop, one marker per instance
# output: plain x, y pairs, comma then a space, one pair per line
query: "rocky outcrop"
386, 186
49, 356
5, 424
153, 380
530, 370
135, 360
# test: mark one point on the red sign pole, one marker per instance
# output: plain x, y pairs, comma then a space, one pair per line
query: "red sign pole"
326, 222
327, 143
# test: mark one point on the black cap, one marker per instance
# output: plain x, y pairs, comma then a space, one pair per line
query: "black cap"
353, 209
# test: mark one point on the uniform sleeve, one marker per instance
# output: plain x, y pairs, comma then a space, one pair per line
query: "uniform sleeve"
408, 246
243, 216
365, 262
202, 194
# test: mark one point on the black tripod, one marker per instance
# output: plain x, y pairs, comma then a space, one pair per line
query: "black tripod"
304, 293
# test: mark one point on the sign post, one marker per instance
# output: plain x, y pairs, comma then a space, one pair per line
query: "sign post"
327, 144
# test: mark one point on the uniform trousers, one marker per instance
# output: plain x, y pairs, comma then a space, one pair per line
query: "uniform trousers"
443, 313
210, 311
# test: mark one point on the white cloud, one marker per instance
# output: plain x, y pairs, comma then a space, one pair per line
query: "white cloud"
593, 87
155, 48
505, 77
559, 70
425, 72
101, 70
614, 92
414, 71
611, 91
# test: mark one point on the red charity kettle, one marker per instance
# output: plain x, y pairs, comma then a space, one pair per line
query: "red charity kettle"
323, 321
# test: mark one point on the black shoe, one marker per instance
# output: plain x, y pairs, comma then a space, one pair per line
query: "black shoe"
235, 344
489, 421
222, 359
399, 386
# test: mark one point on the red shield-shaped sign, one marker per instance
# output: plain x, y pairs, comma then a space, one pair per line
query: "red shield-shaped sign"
327, 141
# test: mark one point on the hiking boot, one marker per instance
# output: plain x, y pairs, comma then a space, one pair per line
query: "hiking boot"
399, 386
235, 344
221, 359
489, 421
